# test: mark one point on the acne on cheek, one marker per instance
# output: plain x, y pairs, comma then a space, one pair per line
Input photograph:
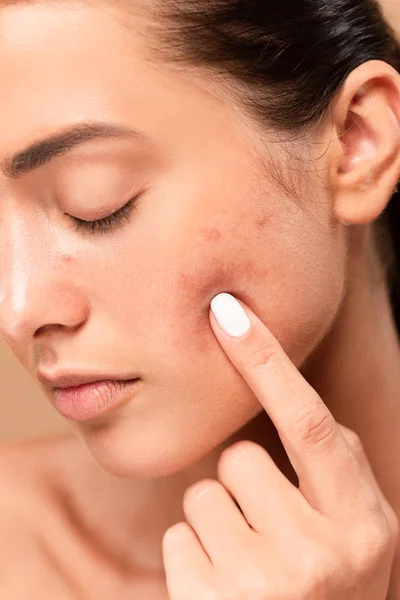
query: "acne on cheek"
207, 272
67, 258
217, 266
211, 234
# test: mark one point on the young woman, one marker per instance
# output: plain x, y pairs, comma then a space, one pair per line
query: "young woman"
196, 214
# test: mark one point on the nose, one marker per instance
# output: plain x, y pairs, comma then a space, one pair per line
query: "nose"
39, 292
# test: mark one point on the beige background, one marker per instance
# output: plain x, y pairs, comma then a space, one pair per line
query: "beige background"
392, 8
24, 410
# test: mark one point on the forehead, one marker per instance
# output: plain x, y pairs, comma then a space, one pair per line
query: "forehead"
32, 25
61, 60
65, 63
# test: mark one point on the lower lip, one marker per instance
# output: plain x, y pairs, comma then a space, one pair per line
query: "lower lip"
91, 400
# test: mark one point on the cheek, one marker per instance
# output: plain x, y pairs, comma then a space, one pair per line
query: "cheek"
219, 262
197, 285
292, 283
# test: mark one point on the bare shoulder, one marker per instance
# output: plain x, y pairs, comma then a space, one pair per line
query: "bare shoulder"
53, 498
37, 466
43, 485
29, 449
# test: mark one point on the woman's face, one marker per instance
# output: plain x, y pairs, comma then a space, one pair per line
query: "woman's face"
135, 300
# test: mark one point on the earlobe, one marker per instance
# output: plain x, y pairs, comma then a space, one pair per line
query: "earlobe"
367, 119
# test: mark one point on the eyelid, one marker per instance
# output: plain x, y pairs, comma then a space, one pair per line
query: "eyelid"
109, 222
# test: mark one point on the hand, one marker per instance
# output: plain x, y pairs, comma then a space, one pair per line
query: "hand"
333, 538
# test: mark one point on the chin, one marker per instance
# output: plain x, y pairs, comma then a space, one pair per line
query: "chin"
129, 455
163, 432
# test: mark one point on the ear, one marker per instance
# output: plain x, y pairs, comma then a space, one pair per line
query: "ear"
366, 169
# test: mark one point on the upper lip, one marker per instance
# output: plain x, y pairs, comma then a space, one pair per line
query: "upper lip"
69, 379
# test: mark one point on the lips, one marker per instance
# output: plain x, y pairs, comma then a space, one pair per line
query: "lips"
90, 400
70, 379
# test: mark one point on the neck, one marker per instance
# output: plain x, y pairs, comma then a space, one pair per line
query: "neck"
356, 372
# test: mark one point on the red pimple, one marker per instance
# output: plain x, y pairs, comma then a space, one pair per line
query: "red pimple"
261, 221
211, 234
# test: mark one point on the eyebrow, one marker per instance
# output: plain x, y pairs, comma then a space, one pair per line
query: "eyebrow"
44, 150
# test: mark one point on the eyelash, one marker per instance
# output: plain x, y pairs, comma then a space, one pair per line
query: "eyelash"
111, 222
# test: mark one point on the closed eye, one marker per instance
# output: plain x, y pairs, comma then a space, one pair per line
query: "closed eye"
113, 221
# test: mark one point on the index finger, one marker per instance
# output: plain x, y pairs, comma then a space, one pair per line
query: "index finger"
327, 469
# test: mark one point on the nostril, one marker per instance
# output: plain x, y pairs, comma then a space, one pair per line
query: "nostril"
49, 326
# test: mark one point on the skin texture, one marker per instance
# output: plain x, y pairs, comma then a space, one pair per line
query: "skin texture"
225, 552
201, 227
209, 219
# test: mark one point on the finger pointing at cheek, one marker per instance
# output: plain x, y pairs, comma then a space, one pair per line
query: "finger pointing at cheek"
329, 475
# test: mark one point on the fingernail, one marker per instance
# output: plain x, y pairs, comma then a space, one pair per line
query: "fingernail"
230, 315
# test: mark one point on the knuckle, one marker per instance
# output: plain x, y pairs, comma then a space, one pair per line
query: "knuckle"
394, 525
375, 544
314, 426
394, 537
315, 569
353, 440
